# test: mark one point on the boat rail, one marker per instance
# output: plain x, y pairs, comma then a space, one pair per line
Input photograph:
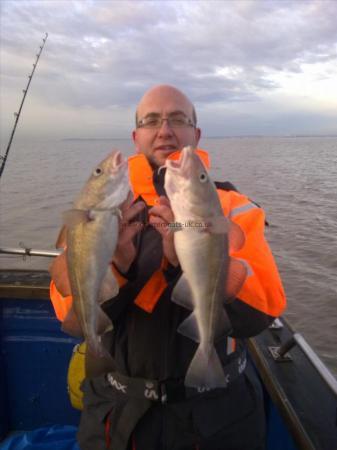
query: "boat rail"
281, 354
297, 382
24, 251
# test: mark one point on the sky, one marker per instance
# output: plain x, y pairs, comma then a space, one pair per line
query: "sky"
250, 67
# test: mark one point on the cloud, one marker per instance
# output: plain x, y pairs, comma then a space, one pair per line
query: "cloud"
102, 55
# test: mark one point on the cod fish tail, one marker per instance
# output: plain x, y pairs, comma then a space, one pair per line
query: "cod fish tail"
205, 370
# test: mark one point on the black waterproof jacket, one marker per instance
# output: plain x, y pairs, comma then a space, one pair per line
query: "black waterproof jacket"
147, 346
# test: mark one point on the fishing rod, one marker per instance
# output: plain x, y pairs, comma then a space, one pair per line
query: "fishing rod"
17, 114
23, 251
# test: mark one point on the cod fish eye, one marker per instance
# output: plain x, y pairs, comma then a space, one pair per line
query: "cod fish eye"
97, 171
203, 177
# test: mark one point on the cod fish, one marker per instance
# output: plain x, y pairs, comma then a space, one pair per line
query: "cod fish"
92, 232
203, 237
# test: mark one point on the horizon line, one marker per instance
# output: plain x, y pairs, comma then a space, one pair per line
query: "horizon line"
203, 137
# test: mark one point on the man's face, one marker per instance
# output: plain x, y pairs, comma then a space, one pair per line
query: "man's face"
158, 143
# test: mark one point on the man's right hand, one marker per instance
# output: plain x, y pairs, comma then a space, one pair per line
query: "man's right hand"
125, 251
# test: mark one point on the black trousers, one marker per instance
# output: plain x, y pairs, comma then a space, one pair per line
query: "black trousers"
232, 419
223, 419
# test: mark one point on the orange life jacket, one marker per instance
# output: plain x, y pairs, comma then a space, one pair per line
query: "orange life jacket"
262, 289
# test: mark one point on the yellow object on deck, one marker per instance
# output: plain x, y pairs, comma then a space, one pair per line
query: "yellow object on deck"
76, 374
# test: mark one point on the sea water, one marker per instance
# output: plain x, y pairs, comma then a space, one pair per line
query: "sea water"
293, 178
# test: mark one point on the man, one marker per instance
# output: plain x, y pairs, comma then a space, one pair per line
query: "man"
140, 402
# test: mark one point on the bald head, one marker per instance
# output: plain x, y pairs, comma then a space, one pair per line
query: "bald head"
167, 95
158, 143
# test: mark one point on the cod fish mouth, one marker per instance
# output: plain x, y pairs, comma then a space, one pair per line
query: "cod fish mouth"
118, 159
118, 162
180, 165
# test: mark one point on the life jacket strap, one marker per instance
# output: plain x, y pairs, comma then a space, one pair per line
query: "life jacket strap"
171, 390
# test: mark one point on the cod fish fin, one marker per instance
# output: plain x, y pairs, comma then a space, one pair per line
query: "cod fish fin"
237, 274
129, 200
104, 324
182, 294
189, 328
71, 325
74, 217
223, 225
94, 337
205, 370
109, 287
236, 237
96, 347
61, 241
217, 225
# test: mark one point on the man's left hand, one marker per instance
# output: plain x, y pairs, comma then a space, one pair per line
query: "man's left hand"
160, 217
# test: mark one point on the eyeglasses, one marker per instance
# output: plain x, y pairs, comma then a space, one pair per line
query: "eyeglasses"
173, 121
